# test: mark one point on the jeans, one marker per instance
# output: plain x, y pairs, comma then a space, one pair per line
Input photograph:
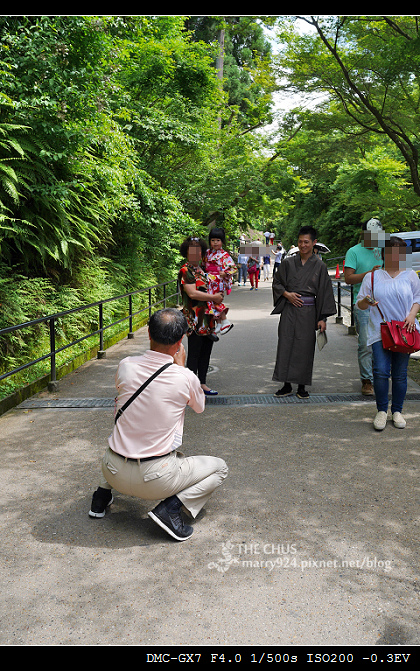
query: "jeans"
388, 364
364, 351
242, 272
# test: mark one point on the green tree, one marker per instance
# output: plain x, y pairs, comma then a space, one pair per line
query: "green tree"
370, 66
246, 60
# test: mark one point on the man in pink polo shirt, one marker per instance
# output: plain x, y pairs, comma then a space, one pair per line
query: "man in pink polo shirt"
142, 459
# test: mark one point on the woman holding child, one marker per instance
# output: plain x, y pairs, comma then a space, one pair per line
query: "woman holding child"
197, 307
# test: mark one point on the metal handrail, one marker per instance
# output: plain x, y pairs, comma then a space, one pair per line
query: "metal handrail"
51, 320
348, 289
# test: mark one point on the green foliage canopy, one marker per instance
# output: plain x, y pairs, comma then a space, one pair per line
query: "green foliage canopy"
359, 136
118, 138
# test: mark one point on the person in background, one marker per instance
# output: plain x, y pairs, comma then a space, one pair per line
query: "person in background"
279, 253
253, 270
242, 266
360, 260
266, 266
396, 290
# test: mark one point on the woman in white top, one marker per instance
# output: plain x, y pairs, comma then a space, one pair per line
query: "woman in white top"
397, 291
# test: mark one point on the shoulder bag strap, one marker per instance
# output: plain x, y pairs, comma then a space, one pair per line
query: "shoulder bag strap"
140, 389
380, 311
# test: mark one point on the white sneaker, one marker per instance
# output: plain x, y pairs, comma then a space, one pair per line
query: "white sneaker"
380, 420
399, 421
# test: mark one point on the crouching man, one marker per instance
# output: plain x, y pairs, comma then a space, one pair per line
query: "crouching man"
142, 458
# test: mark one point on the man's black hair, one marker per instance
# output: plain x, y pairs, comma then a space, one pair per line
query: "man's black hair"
167, 326
308, 230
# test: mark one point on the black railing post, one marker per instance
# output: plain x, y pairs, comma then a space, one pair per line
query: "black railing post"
52, 384
101, 352
150, 302
339, 318
130, 317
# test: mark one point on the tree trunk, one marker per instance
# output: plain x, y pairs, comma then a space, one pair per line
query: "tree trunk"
219, 64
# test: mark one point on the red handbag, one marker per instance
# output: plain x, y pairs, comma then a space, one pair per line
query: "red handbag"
395, 336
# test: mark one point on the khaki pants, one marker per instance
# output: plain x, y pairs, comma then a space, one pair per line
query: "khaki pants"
191, 479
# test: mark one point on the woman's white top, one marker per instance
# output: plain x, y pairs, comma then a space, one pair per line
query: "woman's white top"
395, 295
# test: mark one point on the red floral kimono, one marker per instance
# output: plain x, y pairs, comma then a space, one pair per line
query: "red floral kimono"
215, 263
199, 314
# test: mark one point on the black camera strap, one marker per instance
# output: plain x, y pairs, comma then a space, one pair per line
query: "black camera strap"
140, 389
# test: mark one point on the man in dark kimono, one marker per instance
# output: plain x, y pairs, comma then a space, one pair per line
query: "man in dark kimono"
303, 295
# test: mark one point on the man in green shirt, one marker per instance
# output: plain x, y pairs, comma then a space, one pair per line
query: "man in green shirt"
359, 261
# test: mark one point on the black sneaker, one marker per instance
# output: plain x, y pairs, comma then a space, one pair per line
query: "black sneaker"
301, 392
286, 390
101, 499
171, 521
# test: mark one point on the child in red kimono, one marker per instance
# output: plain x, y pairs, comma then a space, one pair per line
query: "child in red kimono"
220, 269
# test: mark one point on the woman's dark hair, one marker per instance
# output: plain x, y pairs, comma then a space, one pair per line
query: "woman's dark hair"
393, 241
167, 326
217, 233
193, 242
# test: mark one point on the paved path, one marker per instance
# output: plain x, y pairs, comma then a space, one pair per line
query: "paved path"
312, 539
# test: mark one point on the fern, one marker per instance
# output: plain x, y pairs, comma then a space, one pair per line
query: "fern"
42, 216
